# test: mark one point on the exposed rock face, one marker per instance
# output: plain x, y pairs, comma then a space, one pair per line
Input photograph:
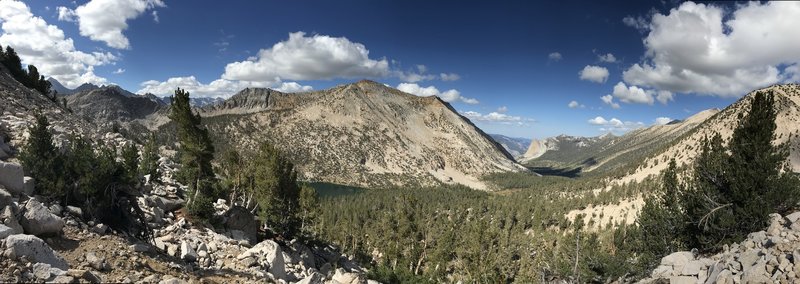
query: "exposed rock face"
268, 254
9, 218
240, 219
771, 256
361, 134
34, 249
112, 104
12, 177
37, 220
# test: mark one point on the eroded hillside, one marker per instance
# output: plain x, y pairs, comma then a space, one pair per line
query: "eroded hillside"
361, 134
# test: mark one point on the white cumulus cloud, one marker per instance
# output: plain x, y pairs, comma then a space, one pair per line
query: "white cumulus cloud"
707, 49
46, 46
105, 20
595, 74
662, 120
497, 117
217, 88
575, 104
609, 100
615, 124
608, 58
632, 94
451, 95
554, 56
301, 57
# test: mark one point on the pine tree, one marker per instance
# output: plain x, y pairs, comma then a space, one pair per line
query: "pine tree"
661, 220
277, 192
308, 206
149, 163
196, 152
130, 162
735, 188
33, 76
41, 160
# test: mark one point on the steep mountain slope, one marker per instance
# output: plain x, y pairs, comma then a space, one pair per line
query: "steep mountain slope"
608, 153
19, 103
514, 145
787, 105
361, 134
107, 104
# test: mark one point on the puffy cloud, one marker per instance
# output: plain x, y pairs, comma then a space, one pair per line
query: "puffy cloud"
66, 14
664, 97
104, 20
632, 94
217, 88
609, 100
704, 49
301, 57
792, 73
614, 124
449, 77
554, 56
45, 46
598, 121
119, 71
662, 120
413, 77
451, 95
595, 74
293, 87
575, 104
608, 58
639, 23
497, 117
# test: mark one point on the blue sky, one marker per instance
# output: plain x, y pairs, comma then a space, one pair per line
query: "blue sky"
513, 67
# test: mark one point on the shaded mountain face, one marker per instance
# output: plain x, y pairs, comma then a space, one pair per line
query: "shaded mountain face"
108, 104
360, 134
514, 145
608, 153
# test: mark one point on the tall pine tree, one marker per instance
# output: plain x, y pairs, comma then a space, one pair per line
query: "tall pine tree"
196, 153
277, 192
735, 188
41, 160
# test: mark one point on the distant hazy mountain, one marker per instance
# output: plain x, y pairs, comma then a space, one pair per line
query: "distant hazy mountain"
361, 134
607, 152
198, 102
64, 91
514, 145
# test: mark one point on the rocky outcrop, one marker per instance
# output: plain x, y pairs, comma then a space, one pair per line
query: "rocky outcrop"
34, 249
771, 256
267, 254
240, 219
37, 220
12, 177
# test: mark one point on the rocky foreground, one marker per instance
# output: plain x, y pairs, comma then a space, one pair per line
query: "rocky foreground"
771, 256
42, 241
